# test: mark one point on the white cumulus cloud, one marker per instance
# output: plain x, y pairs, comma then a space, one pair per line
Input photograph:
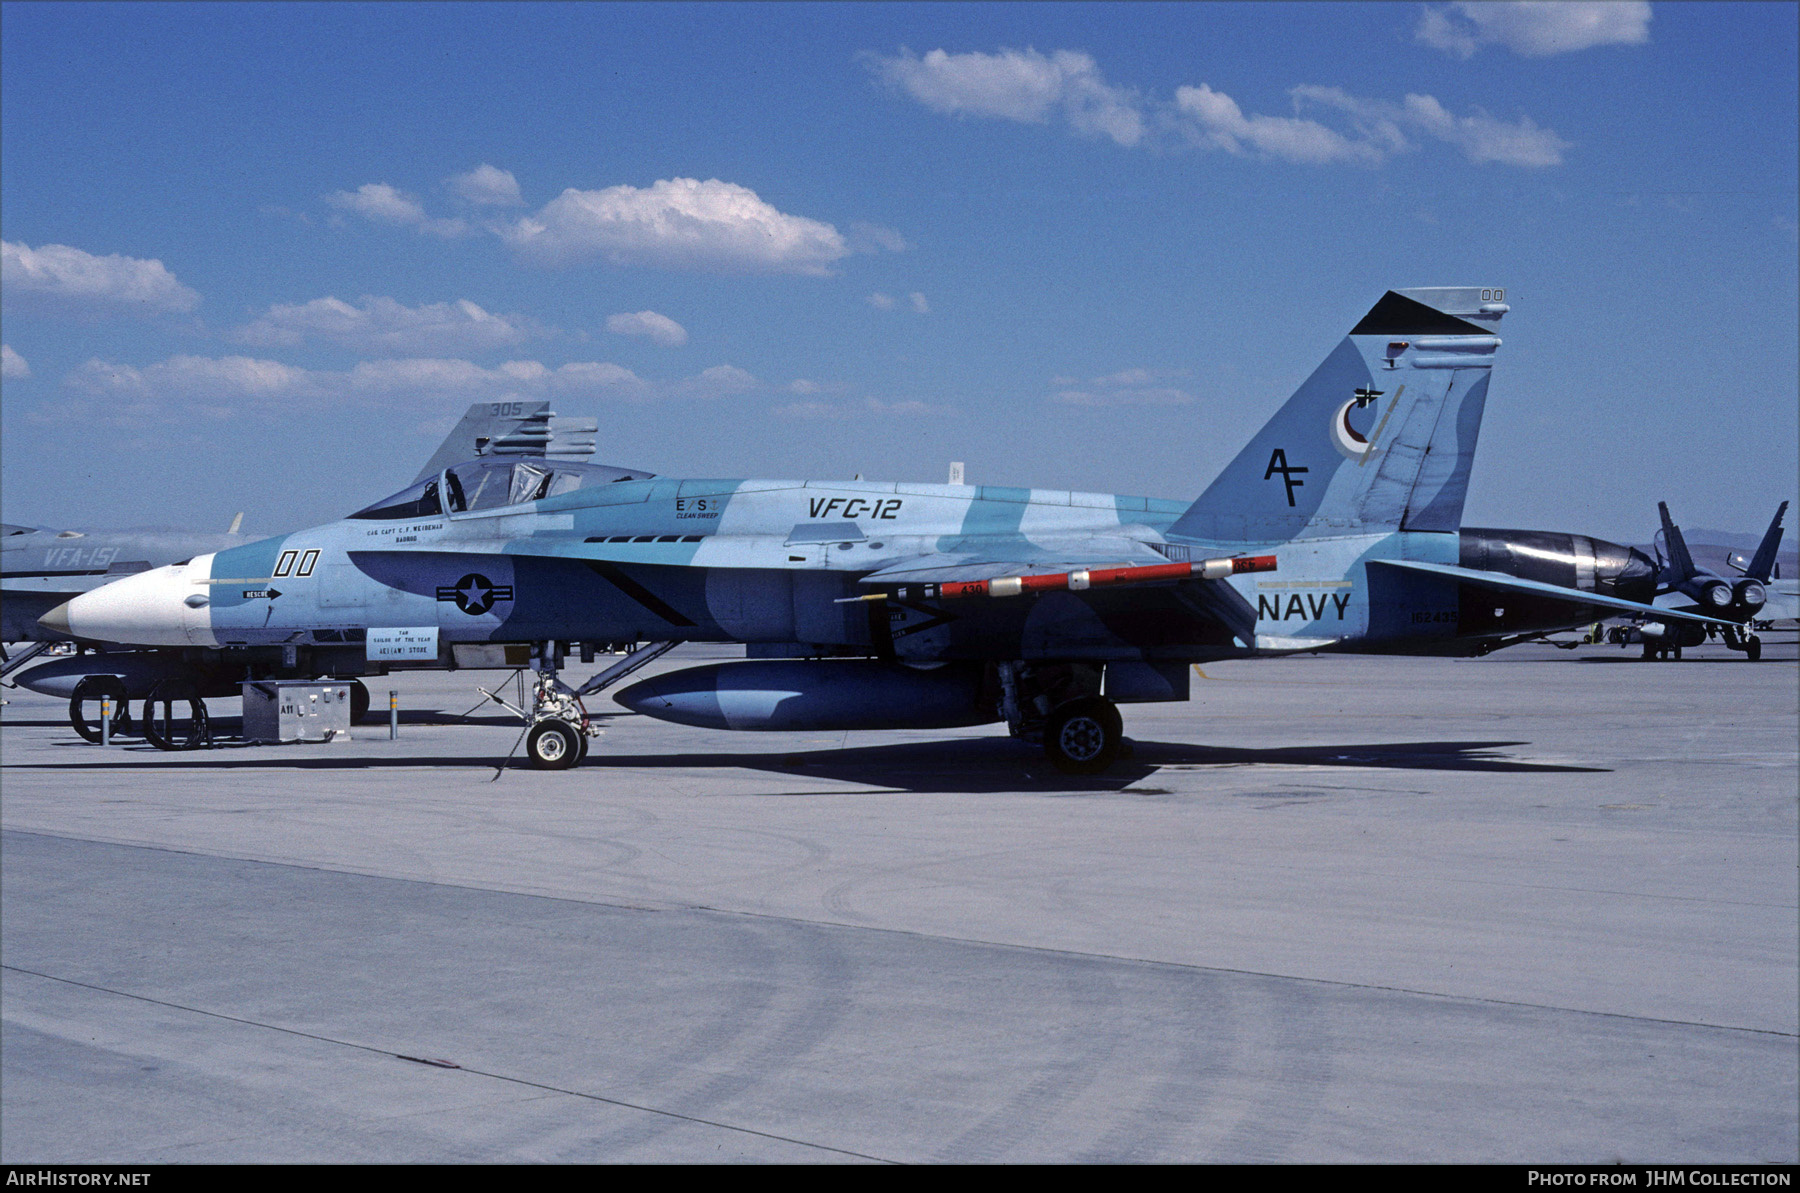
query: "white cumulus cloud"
487, 186
1480, 137
68, 276
384, 325
12, 365
677, 223
1021, 85
721, 380
658, 329
222, 387
1218, 122
887, 302
1326, 126
1128, 387
384, 204
1534, 28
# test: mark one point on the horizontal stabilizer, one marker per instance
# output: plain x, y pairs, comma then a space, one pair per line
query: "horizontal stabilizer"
1499, 582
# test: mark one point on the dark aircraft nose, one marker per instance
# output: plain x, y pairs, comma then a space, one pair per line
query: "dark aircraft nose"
1632, 573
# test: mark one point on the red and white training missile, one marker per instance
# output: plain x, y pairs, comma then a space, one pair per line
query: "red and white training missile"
1006, 586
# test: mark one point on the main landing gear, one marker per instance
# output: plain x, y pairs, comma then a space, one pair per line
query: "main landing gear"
1084, 735
1744, 640
1060, 706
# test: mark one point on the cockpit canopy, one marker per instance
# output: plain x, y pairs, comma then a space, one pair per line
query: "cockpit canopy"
495, 484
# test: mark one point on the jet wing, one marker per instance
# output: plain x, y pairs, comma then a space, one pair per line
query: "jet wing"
1503, 583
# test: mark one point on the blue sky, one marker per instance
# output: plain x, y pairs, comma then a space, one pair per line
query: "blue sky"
261, 257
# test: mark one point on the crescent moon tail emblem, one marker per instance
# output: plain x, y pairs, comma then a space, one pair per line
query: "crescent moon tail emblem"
1348, 441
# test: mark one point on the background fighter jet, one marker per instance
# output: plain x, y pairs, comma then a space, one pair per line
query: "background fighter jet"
44, 568
1684, 586
41, 568
883, 604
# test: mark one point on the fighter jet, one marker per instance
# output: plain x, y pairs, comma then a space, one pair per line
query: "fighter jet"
893, 605
43, 568
1684, 586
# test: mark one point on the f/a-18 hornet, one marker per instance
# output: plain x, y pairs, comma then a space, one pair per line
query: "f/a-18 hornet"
870, 604
1684, 585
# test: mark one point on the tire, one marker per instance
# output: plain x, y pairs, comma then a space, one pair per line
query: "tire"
553, 745
1752, 647
166, 731
91, 688
1082, 737
359, 701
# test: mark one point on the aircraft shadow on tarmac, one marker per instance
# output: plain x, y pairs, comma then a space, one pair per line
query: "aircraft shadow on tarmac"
997, 764
985, 765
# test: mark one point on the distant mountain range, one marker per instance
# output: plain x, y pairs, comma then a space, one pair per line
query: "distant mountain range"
1709, 548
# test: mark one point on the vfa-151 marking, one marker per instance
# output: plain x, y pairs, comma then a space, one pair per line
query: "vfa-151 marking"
871, 604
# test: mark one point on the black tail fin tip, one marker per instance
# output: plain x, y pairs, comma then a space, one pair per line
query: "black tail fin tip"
1399, 315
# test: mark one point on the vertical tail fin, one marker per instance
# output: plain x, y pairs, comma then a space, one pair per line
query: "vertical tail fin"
1380, 437
1762, 566
513, 428
1681, 563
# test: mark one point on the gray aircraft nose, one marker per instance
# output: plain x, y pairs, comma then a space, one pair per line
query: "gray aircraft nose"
58, 620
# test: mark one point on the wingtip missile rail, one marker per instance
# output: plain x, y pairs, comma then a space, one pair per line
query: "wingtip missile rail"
1077, 581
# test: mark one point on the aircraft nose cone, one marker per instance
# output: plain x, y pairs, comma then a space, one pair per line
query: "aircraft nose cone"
147, 609
57, 620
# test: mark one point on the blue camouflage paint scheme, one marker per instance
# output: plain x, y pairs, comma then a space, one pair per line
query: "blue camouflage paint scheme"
1361, 473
